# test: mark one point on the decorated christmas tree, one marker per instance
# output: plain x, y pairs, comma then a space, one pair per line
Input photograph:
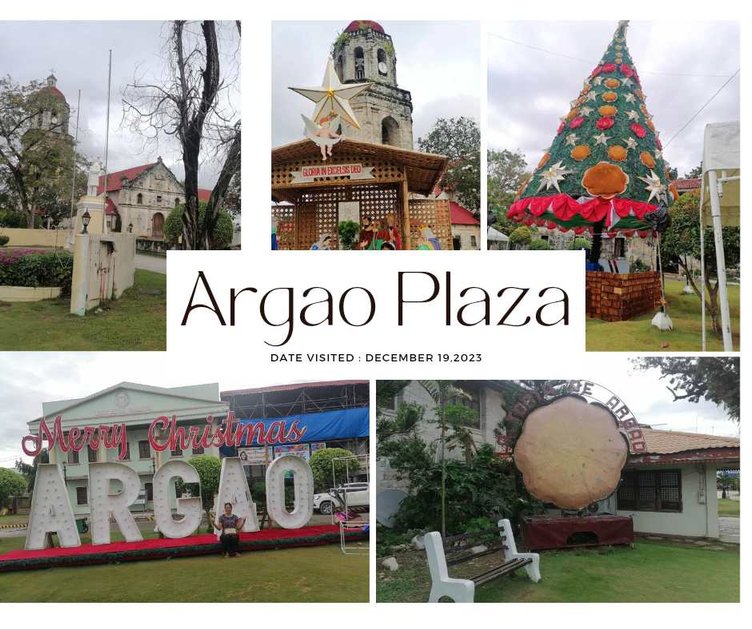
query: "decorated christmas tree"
604, 172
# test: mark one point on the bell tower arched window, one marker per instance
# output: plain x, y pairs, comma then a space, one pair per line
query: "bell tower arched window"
139, 199
360, 64
390, 131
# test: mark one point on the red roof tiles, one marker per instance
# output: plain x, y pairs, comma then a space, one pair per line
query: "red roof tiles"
461, 215
357, 25
688, 184
115, 180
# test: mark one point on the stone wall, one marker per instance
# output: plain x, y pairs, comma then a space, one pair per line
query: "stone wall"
23, 237
615, 297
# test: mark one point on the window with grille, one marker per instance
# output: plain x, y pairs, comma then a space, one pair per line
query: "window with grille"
144, 450
81, 495
650, 491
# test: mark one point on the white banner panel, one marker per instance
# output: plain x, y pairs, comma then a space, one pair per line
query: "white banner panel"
370, 315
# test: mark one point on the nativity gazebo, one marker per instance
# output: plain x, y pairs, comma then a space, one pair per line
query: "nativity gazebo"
605, 175
361, 181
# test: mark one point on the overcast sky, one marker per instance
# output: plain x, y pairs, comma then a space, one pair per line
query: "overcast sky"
29, 379
529, 89
77, 52
438, 62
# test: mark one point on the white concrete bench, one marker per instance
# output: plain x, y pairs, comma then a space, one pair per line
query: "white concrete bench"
466, 547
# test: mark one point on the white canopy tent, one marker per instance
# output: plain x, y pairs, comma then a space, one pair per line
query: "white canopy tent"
721, 167
500, 239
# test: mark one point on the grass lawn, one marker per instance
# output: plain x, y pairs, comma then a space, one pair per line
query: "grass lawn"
638, 335
651, 572
12, 519
306, 574
728, 507
134, 322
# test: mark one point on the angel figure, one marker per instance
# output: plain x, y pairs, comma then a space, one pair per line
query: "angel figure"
322, 134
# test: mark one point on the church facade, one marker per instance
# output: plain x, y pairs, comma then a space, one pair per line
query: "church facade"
364, 52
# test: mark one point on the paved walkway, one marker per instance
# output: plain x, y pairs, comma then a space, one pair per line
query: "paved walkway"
157, 264
729, 529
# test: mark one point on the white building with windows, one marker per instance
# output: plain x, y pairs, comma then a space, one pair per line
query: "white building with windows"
135, 406
670, 489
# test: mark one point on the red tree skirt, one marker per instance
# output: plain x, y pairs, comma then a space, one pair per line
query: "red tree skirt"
156, 548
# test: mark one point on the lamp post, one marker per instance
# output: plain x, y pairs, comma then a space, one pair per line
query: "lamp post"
85, 219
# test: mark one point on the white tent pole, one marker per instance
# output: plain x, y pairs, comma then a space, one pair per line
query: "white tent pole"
702, 262
720, 256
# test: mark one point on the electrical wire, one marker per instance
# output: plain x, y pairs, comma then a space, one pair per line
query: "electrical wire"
697, 113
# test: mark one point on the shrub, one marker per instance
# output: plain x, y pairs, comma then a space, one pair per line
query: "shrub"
4, 240
580, 242
36, 268
520, 237
348, 234
539, 244
223, 230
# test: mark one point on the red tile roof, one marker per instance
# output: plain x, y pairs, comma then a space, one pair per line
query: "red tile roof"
115, 180
461, 215
357, 25
688, 184
661, 442
55, 92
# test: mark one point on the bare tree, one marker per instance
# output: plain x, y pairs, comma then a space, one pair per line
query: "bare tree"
190, 103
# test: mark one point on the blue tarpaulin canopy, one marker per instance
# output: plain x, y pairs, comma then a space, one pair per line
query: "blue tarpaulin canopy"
304, 428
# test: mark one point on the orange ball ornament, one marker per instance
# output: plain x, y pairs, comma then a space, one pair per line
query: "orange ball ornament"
647, 159
605, 180
607, 110
543, 160
612, 83
610, 97
617, 153
580, 152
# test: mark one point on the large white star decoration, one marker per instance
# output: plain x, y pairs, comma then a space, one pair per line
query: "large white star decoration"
631, 143
591, 96
586, 111
552, 176
654, 185
626, 82
630, 98
633, 115
602, 138
572, 139
333, 97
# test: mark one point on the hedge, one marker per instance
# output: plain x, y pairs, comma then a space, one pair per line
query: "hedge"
36, 268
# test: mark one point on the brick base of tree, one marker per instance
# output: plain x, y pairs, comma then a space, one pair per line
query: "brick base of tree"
616, 297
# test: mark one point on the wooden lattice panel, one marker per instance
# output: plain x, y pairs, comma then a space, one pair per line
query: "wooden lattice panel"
285, 216
433, 213
316, 212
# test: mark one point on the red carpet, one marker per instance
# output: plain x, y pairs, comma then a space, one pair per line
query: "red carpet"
155, 548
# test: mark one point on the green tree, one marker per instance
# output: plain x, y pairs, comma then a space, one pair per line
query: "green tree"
459, 140
223, 228
694, 378
520, 238
11, 484
208, 468
506, 173
694, 173
680, 244
29, 471
36, 164
328, 473
580, 242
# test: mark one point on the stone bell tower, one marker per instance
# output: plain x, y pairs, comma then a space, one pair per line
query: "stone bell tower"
364, 52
